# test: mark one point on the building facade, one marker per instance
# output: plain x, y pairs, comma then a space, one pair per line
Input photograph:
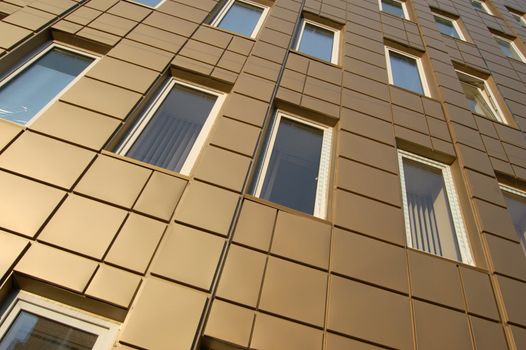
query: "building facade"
288, 174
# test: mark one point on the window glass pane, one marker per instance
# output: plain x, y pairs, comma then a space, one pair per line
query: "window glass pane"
405, 72
477, 96
30, 332
170, 135
478, 5
516, 17
317, 42
431, 221
393, 7
517, 208
150, 3
445, 26
476, 101
32, 89
291, 178
507, 48
241, 18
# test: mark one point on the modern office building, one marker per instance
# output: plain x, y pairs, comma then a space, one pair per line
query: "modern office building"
258, 174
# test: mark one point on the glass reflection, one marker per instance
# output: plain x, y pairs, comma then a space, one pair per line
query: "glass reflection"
241, 18
478, 5
477, 96
32, 89
405, 72
393, 7
292, 174
446, 26
317, 42
519, 18
517, 208
32, 332
507, 48
149, 3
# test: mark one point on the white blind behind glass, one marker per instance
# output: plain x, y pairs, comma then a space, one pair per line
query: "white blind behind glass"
168, 138
431, 221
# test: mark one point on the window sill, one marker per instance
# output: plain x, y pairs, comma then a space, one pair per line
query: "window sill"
316, 59
412, 92
284, 208
394, 16
515, 60
487, 14
230, 32
488, 118
510, 125
145, 165
457, 39
460, 263
11, 123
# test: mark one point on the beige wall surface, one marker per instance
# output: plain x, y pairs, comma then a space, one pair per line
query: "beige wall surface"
197, 261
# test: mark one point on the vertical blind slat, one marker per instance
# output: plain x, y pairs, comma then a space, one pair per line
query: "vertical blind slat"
424, 229
168, 138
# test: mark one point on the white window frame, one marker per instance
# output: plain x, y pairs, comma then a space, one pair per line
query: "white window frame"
139, 127
38, 55
419, 65
456, 213
485, 6
322, 190
513, 45
230, 3
455, 25
24, 301
488, 96
512, 190
335, 41
404, 8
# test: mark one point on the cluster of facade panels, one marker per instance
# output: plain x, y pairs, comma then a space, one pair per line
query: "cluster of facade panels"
263, 174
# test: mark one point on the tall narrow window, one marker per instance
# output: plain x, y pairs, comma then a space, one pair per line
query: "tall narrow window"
481, 6
448, 26
319, 41
406, 71
432, 216
509, 48
295, 166
516, 202
40, 81
395, 7
241, 16
479, 96
32, 322
172, 132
